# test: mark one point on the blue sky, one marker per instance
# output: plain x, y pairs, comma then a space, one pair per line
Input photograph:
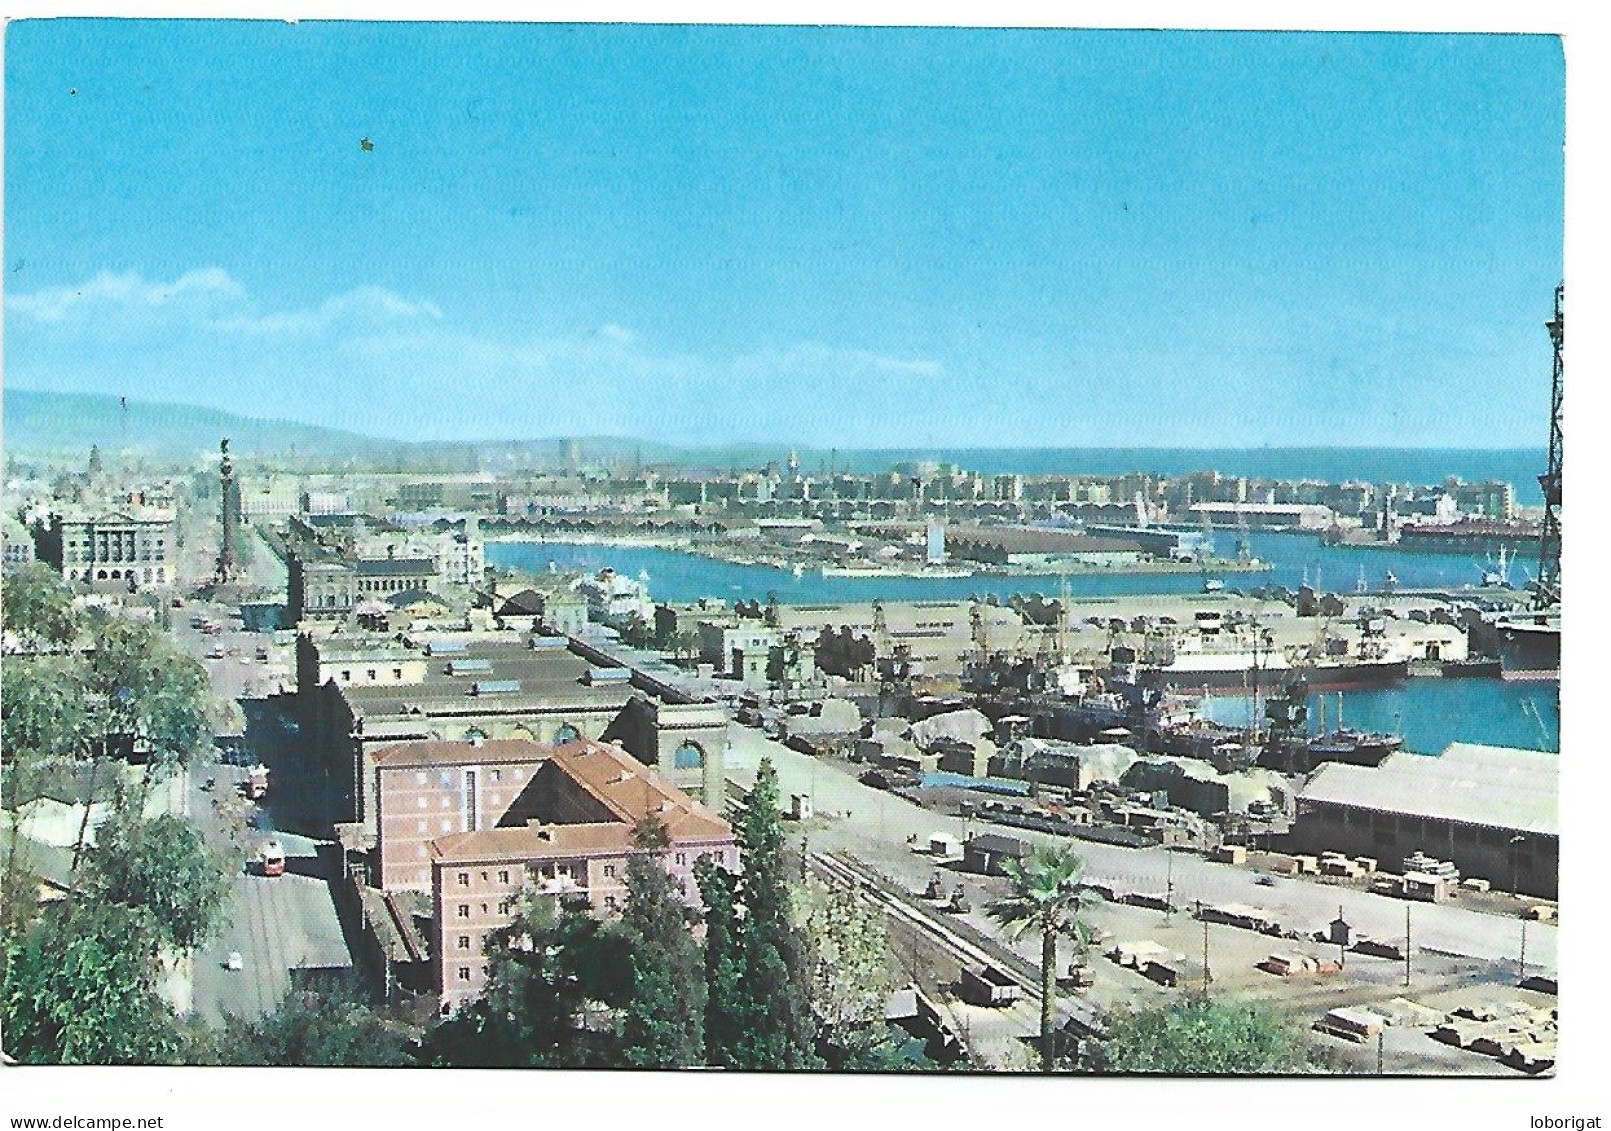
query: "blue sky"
849, 237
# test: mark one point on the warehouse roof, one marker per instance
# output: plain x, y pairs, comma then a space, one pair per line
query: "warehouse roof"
1496, 786
1038, 540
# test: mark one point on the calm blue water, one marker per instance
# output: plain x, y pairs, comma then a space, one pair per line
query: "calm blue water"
1431, 713
678, 576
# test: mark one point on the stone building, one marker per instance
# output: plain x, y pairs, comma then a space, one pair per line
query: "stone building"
358, 692
124, 548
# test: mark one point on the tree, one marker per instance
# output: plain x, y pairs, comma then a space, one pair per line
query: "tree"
154, 699
311, 1030
144, 697
36, 608
163, 868
79, 989
848, 945
548, 968
775, 1027
724, 963
662, 1023
44, 724
1205, 1036
96, 467
1045, 895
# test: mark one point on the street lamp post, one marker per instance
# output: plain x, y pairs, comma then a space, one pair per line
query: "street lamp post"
1169, 884
1515, 867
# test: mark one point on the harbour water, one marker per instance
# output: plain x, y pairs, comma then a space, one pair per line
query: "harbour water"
1432, 713
675, 575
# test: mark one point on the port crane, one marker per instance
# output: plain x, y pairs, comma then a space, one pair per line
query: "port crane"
1547, 587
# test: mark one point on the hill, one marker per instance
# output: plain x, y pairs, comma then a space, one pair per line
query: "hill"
47, 423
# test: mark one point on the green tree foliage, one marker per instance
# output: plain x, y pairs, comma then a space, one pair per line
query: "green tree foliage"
1210, 1036
848, 946
150, 694
163, 868
44, 728
309, 1029
662, 1022
1045, 896
44, 716
768, 1023
79, 988
549, 970
724, 963
844, 653
36, 607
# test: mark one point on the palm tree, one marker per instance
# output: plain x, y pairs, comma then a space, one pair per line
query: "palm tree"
1046, 895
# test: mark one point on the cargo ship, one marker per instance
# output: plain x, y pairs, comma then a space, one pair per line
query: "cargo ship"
1238, 669
1530, 648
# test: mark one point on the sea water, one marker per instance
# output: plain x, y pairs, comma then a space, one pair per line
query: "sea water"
679, 576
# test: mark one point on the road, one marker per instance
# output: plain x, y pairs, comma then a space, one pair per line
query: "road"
283, 927
278, 924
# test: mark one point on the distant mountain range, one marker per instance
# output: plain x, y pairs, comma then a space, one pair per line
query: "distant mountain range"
44, 423
49, 423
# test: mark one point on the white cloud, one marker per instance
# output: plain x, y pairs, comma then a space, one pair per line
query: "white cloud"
362, 305
128, 290
211, 298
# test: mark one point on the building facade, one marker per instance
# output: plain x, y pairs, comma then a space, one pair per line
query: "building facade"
359, 692
485, 825
128, 548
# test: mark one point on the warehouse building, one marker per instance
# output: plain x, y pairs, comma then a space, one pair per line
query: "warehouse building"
1491, 810
1037, 546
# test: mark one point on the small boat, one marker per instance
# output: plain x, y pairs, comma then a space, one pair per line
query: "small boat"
1213, 585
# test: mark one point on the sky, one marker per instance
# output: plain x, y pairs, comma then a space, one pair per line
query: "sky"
832, 237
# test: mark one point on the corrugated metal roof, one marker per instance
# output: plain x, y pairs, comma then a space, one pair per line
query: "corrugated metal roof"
1496, 786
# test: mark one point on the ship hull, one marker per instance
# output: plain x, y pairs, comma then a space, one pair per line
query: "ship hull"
1320, 677
1529, 652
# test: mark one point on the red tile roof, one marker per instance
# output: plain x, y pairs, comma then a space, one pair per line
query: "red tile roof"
440, 753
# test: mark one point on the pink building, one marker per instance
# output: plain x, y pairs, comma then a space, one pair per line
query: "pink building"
478, 824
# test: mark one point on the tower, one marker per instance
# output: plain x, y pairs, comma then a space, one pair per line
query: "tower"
1547, 590
230, 516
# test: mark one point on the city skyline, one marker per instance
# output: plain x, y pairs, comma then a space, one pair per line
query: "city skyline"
727, 234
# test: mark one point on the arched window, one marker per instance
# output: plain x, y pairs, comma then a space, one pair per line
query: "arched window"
688, 757
566, 733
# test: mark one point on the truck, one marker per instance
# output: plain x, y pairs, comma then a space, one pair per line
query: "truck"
257, 779
271, 858
988, 985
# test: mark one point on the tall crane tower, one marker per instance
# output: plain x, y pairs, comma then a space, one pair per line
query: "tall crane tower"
1547, 590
